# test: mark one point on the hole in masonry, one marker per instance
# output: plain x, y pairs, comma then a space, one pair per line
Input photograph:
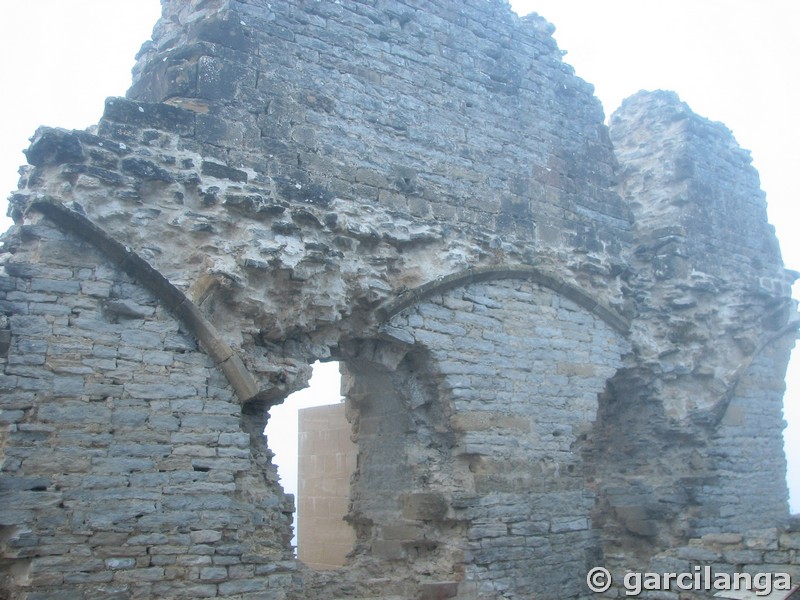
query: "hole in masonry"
319, 412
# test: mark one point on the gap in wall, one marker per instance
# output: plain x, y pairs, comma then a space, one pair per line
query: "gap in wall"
281, 430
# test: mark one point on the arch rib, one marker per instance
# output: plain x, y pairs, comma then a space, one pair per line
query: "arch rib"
477, 274
241, 380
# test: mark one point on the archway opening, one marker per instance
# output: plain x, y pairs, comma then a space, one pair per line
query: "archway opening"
310, 438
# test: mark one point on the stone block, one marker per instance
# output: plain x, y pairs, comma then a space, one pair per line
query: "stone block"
215, 574
139, 575
424, 506
763, 539
88, 578
116, 564
741, 557
636, 519
439, 590
158, 116
722, 538
698, 554
55, 286
388, 550
157, 391
408, 532
194, 560
70, 411
242, 586
790, 540
569, 524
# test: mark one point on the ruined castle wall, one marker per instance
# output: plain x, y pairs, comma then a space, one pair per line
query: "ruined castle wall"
482, 464
329, 141
312, 163
413, 106
767, 551
746, 486
712, 363
426, 192
704, 250
128, 467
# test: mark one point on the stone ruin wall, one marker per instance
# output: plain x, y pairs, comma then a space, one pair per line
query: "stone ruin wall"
563, 344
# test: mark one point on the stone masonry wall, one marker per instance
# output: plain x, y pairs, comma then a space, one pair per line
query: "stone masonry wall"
553, 346
771, 550
711, 364
316, 141
470, 430
128, 467
746, 465
430, 97
519, 370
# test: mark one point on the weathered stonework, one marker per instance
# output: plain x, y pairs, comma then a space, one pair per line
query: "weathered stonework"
558, 352
761, 551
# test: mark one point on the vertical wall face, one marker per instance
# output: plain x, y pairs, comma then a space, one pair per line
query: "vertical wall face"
711, 363
748, 487
338, 152
480, 443
128, 469
287, 167
553, 367
378, 102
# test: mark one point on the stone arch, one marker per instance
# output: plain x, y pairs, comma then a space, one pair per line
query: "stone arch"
252, 153
120, 415
178, 303
491, 378
511, 271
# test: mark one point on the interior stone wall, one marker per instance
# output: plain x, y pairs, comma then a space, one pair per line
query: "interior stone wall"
710, 366
486, 467
425, 191
129, 469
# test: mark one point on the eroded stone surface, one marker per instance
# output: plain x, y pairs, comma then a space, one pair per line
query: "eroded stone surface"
494, 437
554, 347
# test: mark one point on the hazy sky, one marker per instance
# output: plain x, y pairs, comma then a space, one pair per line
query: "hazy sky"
735, 61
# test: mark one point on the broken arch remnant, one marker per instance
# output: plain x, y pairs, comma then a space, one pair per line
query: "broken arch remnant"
553, 346
477, 274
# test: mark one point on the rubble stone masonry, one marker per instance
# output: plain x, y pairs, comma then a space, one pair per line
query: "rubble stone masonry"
563, 344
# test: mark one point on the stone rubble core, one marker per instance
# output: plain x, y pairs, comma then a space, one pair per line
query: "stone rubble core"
563, 345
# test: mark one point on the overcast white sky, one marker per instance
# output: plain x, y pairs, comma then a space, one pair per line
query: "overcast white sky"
735, 61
